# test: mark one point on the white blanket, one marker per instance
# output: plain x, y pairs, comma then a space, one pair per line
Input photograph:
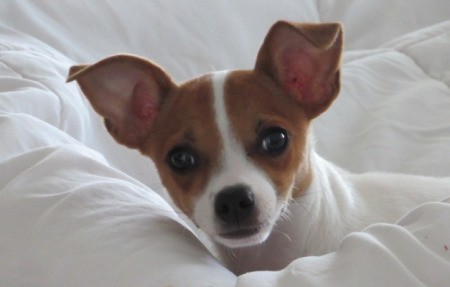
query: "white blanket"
77, 209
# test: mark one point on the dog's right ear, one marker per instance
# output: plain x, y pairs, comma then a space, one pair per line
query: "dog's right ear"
127, 91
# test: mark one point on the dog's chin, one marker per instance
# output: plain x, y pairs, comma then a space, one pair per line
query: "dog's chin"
243, 237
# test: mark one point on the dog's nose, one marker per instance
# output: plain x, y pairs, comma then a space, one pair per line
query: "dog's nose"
234, 203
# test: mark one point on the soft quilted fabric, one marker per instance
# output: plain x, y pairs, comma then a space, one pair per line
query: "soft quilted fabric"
77, 209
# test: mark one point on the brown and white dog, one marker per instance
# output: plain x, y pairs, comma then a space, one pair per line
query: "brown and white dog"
233, 148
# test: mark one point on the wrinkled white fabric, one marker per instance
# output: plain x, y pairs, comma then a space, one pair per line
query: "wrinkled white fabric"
77, 209
413, 252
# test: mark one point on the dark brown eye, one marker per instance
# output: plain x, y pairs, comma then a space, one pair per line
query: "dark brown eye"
181, 159
274, 141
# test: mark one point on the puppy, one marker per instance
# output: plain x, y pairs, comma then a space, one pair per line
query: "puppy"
234, 151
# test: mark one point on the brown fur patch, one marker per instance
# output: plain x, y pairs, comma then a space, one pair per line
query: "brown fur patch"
254, 103
187, 119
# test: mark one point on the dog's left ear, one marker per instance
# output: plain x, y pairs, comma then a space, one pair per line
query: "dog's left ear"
304, 60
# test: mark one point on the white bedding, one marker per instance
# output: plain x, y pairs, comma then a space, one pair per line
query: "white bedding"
77, 209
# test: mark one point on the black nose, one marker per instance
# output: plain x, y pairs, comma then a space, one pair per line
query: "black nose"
234, 203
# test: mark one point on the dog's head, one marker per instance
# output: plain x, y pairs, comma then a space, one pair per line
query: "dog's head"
230, 147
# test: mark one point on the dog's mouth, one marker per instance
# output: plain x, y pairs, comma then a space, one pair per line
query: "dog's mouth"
244, 236
241, 232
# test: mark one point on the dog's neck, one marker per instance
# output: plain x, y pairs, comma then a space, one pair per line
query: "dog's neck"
304, 229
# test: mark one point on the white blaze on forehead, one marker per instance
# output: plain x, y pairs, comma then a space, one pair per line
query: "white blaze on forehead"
234, 168
231, 149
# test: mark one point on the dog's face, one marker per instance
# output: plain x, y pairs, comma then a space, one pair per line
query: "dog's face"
230, 147
228, 151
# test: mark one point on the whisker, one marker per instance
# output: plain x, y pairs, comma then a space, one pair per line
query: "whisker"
301, 203
283, 233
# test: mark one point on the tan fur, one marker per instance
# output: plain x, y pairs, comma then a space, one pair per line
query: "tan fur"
115, 87
187, 119
254, 104
296, 77
313, 53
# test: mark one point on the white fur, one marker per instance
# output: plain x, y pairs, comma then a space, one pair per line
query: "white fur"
234, 169
335, 204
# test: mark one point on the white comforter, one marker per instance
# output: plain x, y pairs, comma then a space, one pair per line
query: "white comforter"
76, 209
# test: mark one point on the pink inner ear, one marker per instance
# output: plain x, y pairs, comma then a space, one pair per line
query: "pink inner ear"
298, 74
145, 103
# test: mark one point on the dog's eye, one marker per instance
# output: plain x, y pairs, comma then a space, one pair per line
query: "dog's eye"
274, 141
181, 159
